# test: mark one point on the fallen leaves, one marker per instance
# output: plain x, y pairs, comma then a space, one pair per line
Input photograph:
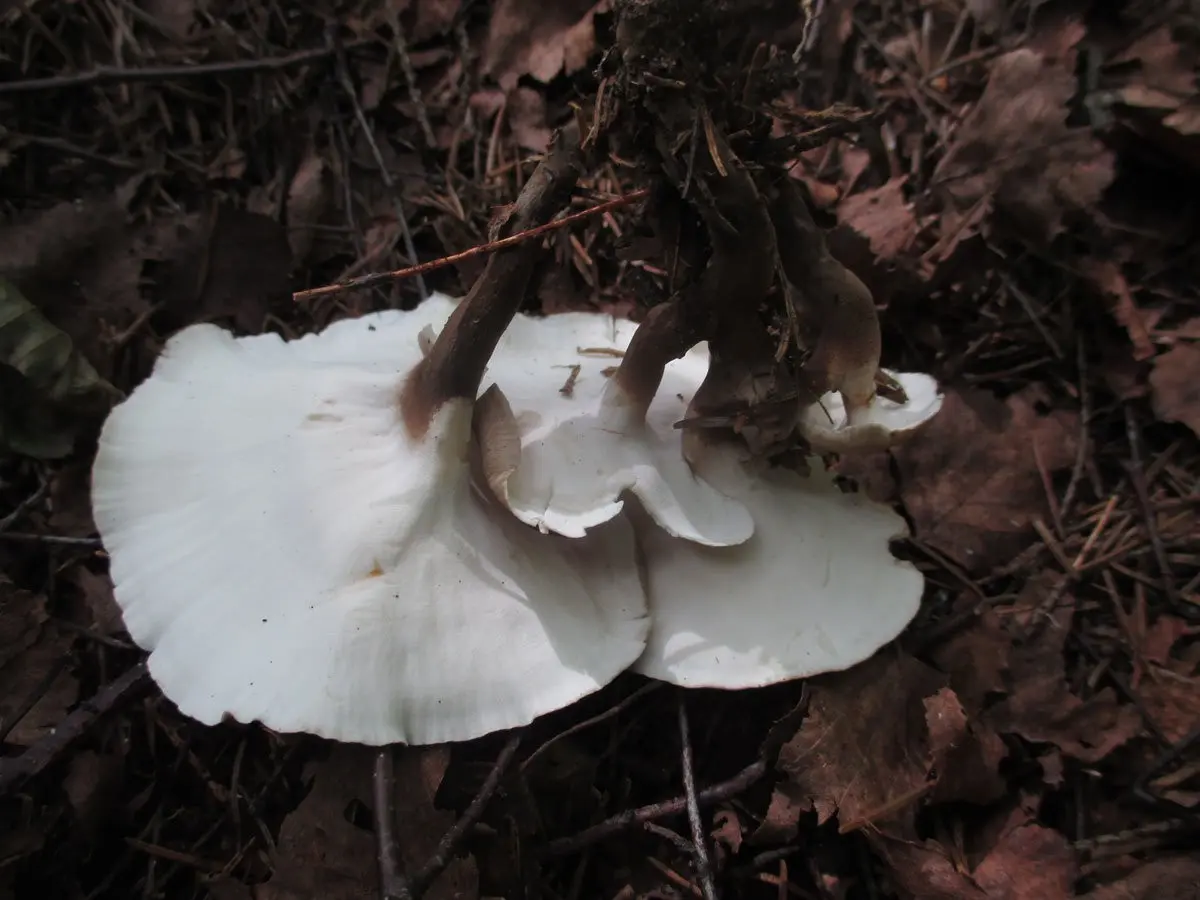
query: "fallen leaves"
1108, 279
322, 853
1169, 878
883, 216
1041, 707
1175, 385
1027, 862
1015, 150
881, 737
971, 480
526, 37
227, 263
36, 690
1163, 83
307, 199
48, 386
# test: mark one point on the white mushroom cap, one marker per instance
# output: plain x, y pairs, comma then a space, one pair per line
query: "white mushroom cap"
288, 553
816, 589
584, 443
881, 424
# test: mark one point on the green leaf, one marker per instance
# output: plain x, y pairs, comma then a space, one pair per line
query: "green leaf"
47, 389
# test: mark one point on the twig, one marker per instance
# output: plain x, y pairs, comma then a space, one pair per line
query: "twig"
24, 506
631, 817
374, 278
448, 845
779, 734
1142, 787
16, 771
677, 840
23, 537
102, 75
615, 709
703, 864
343, 73
1137, 476
392, 883
400, 43
32, 697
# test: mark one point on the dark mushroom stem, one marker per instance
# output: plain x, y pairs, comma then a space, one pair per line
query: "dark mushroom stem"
838, 316
454, 366
721, 306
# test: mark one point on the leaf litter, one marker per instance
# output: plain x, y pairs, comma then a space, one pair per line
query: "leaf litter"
988, 754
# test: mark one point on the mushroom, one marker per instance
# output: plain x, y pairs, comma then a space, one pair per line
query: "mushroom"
584, 440
296, 534
880, 423
814, 589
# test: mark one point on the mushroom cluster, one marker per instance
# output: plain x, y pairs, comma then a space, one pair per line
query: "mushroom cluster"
397, 530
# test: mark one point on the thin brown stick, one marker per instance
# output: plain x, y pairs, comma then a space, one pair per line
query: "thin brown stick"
392, 883
368, 133
614, 710
1137, 476
448, 845
16, 771
103, 75
632, 817
779, 734
703, 864
363, 281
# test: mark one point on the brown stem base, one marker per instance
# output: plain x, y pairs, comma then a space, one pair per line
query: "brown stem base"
455, 364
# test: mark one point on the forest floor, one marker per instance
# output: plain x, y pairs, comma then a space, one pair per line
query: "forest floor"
1021, 199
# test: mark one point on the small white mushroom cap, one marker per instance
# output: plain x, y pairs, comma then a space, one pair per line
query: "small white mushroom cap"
880, 424
584, 444
288, 553
816, 589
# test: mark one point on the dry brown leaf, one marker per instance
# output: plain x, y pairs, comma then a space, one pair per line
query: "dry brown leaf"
924, 870
877, 738
1041, 707
31, 650
434, 17
528, 37
727, 830
863, 747
1030, 863
92, 785
1168, 878
1164, 79
320, 853
70, 499
1027, 862
782, 820
1173, 702
1016, 149
976, 659
1161, 637
883, 216
527, 119
307, 199
174, 16
970, 480
228, 263
1175, 386
98, 599
1106, 275
966, 755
